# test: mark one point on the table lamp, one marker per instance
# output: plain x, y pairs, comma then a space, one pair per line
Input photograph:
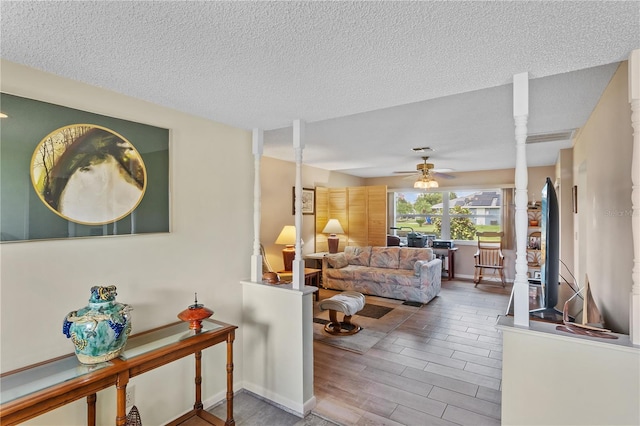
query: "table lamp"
287, 237
333, 227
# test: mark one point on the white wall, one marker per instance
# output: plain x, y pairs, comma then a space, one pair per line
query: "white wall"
602, 171
278, 178
278, 345
554, 378
207, 252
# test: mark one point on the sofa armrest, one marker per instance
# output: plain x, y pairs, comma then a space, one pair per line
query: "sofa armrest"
427, 268
325, 262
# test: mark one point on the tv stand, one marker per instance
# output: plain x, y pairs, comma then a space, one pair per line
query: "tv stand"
547, 314
537, 311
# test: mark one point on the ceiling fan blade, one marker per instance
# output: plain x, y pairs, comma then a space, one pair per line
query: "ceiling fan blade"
427, 171
442, 175
414, 176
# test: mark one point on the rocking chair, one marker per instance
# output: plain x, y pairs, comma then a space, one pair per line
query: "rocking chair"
489, 256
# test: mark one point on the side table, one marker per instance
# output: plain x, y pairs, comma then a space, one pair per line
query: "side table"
316, 258
448, 255
311, 277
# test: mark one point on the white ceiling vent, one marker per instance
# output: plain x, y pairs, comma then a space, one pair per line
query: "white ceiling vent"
562, 135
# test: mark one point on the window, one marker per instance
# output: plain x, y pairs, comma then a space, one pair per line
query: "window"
449, 215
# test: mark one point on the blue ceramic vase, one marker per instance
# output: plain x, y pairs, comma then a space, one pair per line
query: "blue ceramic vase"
100, 330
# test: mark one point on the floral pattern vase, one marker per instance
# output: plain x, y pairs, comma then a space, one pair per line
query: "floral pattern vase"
100, 330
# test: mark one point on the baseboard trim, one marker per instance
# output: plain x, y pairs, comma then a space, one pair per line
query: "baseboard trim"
470, 277
296, 408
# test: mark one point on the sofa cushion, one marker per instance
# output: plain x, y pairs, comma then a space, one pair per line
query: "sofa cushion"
409, 255
385, 257
348, 273
358, 255
387, 276
337, 261
366, 274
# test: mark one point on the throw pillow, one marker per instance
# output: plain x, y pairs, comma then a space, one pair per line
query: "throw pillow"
337, 261
358, 255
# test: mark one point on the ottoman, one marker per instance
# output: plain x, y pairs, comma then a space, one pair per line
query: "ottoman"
347, 302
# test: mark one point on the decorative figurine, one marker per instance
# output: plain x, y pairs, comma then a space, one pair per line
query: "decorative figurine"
194, 314
100, 330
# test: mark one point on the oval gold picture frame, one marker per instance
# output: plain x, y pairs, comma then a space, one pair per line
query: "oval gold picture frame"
88, 174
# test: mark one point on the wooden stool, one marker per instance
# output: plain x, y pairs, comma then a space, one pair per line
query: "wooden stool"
349, 303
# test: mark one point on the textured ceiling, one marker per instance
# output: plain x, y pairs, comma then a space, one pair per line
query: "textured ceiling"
446, 67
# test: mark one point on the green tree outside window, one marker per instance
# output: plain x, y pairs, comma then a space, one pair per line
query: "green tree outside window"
461, 227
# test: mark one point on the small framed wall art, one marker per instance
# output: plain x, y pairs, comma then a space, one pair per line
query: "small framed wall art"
308, 201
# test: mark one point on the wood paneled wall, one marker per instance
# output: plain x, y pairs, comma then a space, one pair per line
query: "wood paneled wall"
377, 214
361, 210
322, 217
358, 234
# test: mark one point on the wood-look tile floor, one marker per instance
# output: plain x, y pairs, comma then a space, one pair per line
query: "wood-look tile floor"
442, 366
249, 410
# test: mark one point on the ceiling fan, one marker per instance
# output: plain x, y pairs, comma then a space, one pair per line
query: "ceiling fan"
425, 175
426, 171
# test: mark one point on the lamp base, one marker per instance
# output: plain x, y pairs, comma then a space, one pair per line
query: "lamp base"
333, 242
288, 254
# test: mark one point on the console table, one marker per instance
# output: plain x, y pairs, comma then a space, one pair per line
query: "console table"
34, 390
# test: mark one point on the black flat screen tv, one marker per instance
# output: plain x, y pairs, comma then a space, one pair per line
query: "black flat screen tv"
549, 254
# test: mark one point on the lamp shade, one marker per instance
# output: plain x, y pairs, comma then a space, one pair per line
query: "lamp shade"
287, 236
333, 227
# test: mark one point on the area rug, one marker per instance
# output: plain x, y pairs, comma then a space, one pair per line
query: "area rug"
374, 311
378, 318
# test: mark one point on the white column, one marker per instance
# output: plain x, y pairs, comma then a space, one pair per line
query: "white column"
298, 147
256, 258
521, 282
634, 100
445, 230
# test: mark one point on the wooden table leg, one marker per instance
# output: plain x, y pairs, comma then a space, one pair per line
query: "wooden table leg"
313, 279
230, 339
198, 381
121, 398
91, 409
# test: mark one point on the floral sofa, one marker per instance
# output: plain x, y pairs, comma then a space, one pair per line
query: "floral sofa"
405, 273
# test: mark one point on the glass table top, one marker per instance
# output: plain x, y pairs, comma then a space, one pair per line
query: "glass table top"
34, 379
19, 384
178, 332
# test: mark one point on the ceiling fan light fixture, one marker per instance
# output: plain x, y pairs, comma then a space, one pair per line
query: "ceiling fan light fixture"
425, 183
